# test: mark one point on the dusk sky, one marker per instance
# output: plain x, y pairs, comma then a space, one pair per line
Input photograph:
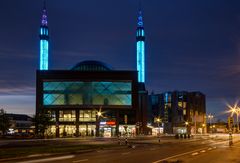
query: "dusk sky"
191, 45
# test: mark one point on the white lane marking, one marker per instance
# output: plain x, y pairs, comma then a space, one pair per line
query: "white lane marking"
38, 155
209, 149
195, 153
80, 160
49, 159
202, 151
214, 147
167, 158
125, 153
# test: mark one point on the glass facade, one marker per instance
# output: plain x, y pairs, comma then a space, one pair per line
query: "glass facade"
87, 93
87, 116
67, 130
67, 115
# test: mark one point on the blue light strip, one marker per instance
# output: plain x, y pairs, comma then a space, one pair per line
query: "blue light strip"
43, 54
140, 48
141, 61
166, 97
44, 40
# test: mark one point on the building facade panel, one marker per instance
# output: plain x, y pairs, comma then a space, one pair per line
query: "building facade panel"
74, 98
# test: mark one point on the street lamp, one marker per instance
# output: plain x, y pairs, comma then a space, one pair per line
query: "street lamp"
203, 126
235, 110
186, 124
210, 117
158, 121
238, 112
99, 114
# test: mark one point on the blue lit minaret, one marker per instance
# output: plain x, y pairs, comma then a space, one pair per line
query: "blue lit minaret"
140, 48
44, 38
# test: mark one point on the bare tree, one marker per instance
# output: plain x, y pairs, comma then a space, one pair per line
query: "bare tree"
4, 122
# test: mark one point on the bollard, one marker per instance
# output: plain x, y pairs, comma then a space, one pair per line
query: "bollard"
126, 141
159, 139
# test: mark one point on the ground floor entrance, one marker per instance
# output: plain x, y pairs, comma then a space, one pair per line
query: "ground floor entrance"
105, 130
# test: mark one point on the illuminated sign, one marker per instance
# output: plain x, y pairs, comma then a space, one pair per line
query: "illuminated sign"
108, 123
102, 123
111, 123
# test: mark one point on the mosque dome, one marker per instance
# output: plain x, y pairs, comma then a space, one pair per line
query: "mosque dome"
92, 65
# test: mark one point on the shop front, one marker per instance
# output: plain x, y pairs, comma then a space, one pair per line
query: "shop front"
67, 130
107, 129
87, 130
157, 130
127, 130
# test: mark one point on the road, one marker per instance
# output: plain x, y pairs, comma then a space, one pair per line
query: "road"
150, 151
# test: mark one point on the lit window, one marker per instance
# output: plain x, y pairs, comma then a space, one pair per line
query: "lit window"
67, 115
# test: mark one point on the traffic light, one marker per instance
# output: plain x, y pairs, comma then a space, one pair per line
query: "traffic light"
230, 122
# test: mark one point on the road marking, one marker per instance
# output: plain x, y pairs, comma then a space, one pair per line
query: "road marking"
38, 155
209, 149
202, 151
195, 153
49, 159
126, 153
80, 160
182, 154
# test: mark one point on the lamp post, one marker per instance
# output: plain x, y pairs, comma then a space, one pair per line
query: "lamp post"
237, 113
186, 125
235, 110
203, 126
210, 117
99, 114
158, 121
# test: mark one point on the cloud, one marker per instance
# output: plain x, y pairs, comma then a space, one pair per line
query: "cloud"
17, 91
10, 53
19, 104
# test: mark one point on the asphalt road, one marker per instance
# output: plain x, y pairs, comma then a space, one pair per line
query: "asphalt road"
150, 151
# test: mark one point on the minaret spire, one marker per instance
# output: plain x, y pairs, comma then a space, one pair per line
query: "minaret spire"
44, 14
140, 39
140, 17
44, 39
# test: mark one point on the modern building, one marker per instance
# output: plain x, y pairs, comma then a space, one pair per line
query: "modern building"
20, 124
91, 99
179, 111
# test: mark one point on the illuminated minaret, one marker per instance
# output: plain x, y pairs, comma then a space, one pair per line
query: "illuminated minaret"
44, 38
140, 38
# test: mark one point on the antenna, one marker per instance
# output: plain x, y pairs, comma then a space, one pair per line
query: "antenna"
140, 5
44, 4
